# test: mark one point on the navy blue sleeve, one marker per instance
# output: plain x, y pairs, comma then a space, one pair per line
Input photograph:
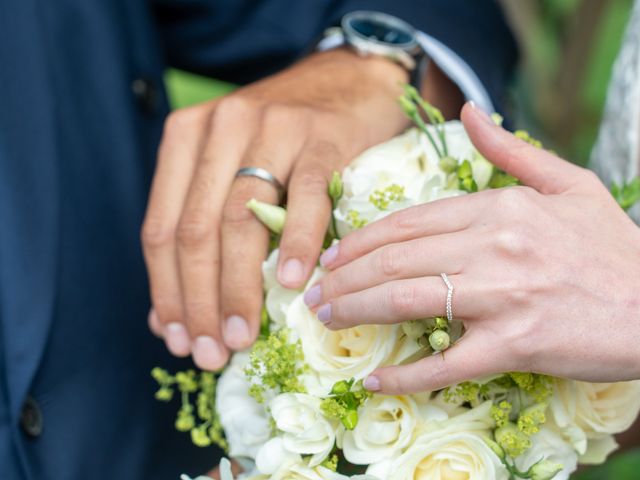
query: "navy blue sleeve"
243, 40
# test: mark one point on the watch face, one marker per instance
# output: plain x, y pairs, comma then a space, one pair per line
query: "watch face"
380, 28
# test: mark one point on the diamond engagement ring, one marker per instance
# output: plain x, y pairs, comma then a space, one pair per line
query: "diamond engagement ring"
262, 174
449, 285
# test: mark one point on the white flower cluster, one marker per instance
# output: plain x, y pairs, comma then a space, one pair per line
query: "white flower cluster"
512, 425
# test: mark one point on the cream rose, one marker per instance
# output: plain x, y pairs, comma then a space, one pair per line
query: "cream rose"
584, 411
277, 298
385, 427
454, 456
340, 355
549, 445
245, 421
305, 430
452, 449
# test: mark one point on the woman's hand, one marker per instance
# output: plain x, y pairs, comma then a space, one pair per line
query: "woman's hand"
546, 276
202, 246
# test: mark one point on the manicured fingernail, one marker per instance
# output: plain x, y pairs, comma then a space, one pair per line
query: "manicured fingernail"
371, 383
236, 332
292, 271
177, 339
154, 323
324, 313
481, 113
208, 354
329, 256
313, 296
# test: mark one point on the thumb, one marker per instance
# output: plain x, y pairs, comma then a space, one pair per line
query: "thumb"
469, 358
533, 166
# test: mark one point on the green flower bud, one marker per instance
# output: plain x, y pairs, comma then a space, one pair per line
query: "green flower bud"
407, 106
160, 375
441, 323
184, 422
164, 394
335, 187
448, 164
545, 470
341, 387
497, 118
200, 438
439, 340
495, 448
465, 171
512, 440
350, 420
415, 329
272, 216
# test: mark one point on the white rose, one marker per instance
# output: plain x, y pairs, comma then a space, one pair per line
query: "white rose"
245, 421
449, 449
305, 430
385, 427
463, 455
549, 445
340, 355
584, 411
278, 299
301, 471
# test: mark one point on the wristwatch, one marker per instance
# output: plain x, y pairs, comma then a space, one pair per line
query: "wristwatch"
375, 33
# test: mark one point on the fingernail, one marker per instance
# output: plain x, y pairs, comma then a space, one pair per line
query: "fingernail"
324, 313
177, 339
481, 113
154, 323
329, 256
208, 354
292, 272
236, 332
313, 296
371, 383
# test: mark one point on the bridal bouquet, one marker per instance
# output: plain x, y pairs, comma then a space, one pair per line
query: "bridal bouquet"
293, 407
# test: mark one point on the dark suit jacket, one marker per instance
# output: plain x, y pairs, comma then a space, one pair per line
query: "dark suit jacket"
81, 112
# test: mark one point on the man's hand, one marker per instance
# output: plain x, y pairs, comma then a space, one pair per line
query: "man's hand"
202, 246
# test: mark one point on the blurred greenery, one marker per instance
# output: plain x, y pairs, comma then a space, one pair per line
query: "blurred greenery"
569, 47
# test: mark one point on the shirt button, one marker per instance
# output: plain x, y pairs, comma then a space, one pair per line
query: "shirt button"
146, 94
31, 418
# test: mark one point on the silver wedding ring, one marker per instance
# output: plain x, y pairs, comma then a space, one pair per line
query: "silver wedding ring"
449, 285
262, 174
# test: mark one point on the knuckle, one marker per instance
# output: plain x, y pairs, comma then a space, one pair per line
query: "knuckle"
312, 179
231, 106
513, 241
406, 220
235, 211
156, 234
390, 261
193, 232
180, 120
403, 299
436, 373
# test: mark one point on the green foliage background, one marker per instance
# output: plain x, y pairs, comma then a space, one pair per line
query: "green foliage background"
569, 47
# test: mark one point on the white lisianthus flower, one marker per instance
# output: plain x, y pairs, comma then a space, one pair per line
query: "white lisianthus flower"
550, 446
305, 430
385, 427
245, 422
340, 355
273, 457
584, 411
